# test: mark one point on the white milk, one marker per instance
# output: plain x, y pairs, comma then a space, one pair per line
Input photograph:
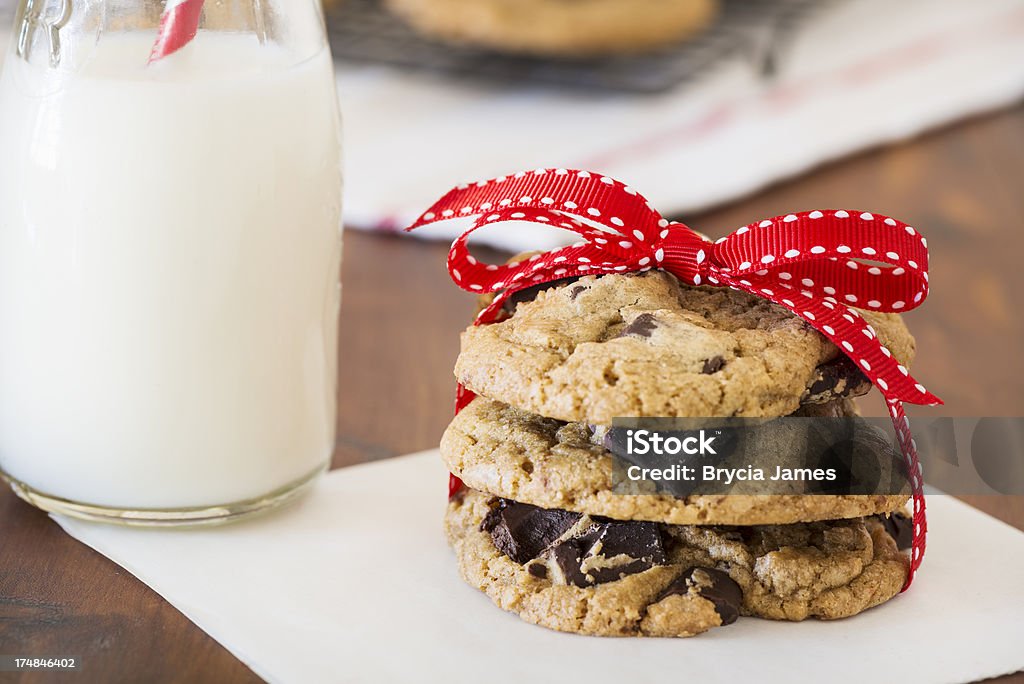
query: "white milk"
169, 251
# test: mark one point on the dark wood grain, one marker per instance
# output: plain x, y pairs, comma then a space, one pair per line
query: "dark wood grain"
400, 337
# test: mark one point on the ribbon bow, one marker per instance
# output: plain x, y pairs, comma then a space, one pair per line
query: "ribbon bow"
817, 264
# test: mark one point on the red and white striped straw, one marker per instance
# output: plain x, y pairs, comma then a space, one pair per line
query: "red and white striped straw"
178, 26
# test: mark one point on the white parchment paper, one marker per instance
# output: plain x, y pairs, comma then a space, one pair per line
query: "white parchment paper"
355, 583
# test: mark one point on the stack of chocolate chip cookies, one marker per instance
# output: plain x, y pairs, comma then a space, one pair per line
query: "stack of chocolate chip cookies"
537, 526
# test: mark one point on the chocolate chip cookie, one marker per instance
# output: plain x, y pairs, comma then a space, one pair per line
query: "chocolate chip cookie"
516, 455
592, 575
569, 28
644, 344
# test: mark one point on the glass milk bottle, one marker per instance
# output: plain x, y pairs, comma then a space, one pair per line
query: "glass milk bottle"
170, 241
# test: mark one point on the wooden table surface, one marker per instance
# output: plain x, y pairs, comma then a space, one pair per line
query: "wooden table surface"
399, 339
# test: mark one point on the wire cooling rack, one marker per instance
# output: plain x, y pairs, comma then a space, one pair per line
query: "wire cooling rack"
363, 31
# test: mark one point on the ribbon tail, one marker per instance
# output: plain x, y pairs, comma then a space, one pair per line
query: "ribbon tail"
455, 485
909, 448
462, 398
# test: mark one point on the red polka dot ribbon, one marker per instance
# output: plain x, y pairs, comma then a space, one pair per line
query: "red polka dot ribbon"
817, 264
179, 24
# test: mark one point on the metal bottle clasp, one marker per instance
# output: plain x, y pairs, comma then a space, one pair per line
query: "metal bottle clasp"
35, 20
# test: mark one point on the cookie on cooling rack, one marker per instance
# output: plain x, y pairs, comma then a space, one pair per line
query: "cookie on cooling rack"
561, 28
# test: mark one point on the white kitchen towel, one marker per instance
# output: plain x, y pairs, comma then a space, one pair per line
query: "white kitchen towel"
860, 73
355, 583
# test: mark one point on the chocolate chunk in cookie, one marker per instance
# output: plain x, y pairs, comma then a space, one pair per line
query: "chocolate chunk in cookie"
528, 294
642, 326
713, 365
713, 585
614, 439
834, 380
568, 556
522, 531
608, 551
640, 541
900, 527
